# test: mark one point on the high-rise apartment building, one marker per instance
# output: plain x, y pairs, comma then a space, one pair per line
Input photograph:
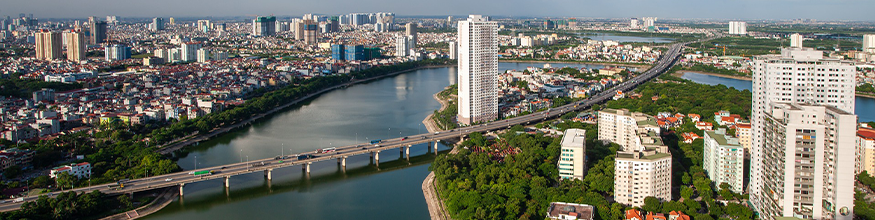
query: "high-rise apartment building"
264, 26
633, 24
338, 52
869, 43
809, 168
402, 46
117, 52
797, 75
157, 24
204, 25
454, 50
48, 45
572, 158
411, 32
649, 22
311, 32
623, 127
188, 51
738, 28
796, 40
478, 70
98, 31
643, 166
865, 151
743, 133
203, 55
724, 160
75, 46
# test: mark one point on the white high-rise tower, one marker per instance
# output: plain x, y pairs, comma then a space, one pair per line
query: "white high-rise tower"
797, 75
478, 70
796, 40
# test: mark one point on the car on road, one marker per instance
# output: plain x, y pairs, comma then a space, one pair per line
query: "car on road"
437, 132
404, 138
365, 148
222, 168
18, 200
168, 179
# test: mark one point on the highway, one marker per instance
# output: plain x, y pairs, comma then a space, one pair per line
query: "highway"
665, 62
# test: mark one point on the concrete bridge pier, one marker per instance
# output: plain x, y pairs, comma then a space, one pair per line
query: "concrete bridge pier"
376, 157
427, 146
342, 161
306, 167
407, 151
227, 181
181, 186
268, 174
435, 147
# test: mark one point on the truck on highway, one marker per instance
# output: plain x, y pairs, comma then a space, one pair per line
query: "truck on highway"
202, 172
305, 156
18, 200
376, 141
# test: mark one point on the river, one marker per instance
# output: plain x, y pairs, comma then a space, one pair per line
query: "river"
624, 39
388, 107
864, 106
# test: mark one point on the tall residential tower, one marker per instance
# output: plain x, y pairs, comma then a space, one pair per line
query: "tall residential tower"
478, 70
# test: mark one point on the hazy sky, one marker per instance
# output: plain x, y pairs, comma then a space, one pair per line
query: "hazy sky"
719, 9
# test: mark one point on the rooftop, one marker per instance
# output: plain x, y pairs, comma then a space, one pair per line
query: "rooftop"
575, 138
867, 133
581, 211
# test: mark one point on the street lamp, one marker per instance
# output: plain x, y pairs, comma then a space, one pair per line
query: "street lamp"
195, 162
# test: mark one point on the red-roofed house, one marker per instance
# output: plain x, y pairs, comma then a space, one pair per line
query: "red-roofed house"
677, 215
80, 170
866, 150
695, 117
655, 216
705, 126
689, 137
633, 214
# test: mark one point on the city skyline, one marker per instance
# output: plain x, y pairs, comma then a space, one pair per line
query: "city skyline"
684, 9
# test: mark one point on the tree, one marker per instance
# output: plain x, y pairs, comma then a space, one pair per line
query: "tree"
686, 192
652, 204
12, 172
65, 180
42, 182
125, 201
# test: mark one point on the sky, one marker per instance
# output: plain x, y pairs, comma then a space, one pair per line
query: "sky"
709, 9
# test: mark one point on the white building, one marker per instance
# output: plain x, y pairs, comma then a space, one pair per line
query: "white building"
798, 75
188, 51
643, 166
796, 40
402, 46
623, 127
724, 160
633, 24
80, 170
649, 22
865, 151
738, 27
869, 43
572, 158
478, 70
809, 170
454, 50
116, 52
642, 174
203, 55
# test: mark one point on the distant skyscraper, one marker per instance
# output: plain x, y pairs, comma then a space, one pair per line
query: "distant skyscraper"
633, 24
157, 24
264, 26
809, 165
454, 50
311, 32
48, 45
335, 23
203, 55
297, 26
738, 28
98, 31
869, 43
75, 46
796, 40
411, 32
204, 25
355, 52
649, 22
188, 51
478, 70
797, 75
172, 21
117, 52
549, 24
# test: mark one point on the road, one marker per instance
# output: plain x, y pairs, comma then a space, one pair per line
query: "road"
665, 62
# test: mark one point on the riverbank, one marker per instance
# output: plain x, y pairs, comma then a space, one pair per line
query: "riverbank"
215, 132
578, 62
436, 207
165, 198
680, 73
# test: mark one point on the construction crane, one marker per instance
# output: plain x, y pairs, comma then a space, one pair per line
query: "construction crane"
724, 49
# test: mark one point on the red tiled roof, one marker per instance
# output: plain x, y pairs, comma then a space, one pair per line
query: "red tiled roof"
866, 133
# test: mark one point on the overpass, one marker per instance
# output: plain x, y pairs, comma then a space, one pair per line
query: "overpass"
340, 154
